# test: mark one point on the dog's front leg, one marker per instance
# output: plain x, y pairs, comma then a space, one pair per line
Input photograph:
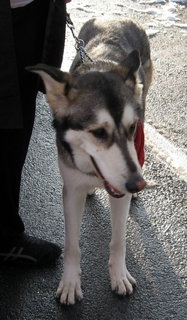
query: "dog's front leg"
121, 280
70, 286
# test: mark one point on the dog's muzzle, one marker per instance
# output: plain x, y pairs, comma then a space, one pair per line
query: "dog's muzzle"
134, 184
108, 187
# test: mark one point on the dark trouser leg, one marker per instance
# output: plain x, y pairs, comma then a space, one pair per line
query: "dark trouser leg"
29, 29
11, 161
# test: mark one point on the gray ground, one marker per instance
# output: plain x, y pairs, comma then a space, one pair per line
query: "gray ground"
156, 242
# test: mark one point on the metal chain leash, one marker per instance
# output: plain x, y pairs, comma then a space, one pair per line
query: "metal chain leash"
79, 45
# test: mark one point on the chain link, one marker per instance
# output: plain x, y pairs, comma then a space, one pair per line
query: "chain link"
79, 43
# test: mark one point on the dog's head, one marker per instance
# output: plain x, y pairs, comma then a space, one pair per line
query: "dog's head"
96, 115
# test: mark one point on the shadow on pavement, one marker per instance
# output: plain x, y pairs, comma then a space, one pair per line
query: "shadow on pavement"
29, 293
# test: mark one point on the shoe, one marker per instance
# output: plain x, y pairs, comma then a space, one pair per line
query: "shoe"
28, 250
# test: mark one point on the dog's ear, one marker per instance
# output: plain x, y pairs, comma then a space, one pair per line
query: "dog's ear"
132, 61
130, 66
132, 76
59, 87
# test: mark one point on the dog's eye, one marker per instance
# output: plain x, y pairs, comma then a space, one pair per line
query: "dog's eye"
132, 128
100, 133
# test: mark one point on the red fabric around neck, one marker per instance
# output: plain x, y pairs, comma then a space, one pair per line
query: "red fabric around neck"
139, 143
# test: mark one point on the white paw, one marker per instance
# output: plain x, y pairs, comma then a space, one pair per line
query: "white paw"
121, 280
69, 289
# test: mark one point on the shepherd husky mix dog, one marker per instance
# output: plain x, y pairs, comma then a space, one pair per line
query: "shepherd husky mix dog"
97, 108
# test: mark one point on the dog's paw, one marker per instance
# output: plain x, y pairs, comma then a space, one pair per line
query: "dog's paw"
69, 289
121, 280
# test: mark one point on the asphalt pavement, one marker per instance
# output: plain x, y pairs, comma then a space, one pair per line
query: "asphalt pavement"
156, 243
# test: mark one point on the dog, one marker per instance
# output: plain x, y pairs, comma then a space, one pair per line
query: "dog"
98, 108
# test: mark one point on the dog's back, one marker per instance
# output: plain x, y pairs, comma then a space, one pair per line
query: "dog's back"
112, 41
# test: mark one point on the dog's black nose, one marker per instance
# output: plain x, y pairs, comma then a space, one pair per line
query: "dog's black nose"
135, 184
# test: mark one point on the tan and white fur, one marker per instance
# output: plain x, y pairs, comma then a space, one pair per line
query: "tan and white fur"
96, 109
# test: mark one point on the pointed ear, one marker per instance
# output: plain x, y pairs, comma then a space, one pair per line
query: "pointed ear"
59, 87
132, 61
131, 64
133, 77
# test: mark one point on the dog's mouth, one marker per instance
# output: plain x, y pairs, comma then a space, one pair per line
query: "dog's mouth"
108, 187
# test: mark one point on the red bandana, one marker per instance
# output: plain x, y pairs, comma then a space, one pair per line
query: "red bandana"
139, 142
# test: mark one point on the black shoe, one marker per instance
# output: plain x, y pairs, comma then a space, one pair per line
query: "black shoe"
27, 250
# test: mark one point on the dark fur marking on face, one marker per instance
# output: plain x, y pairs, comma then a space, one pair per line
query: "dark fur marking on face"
110, 92
62, 145
122, 142
67, 147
